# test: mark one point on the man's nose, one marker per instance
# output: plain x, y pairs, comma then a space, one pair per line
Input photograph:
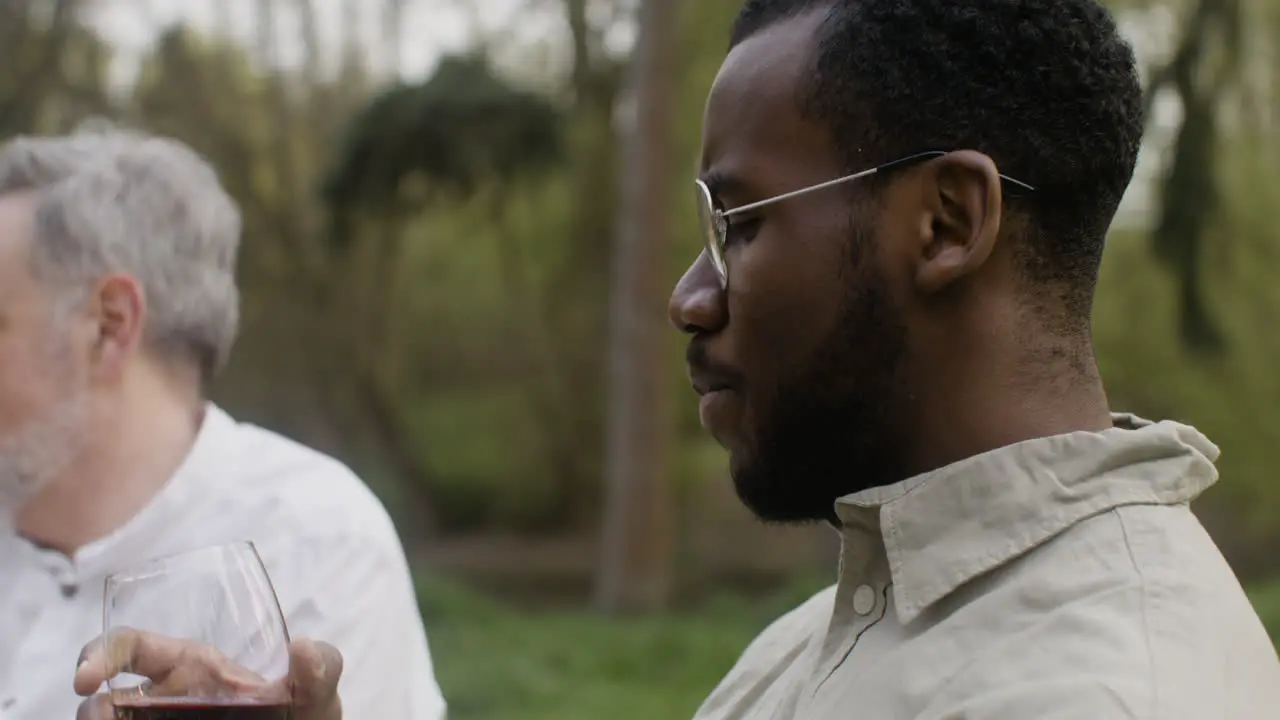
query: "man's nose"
698, 304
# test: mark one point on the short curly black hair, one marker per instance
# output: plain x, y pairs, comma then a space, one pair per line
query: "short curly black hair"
1046, 88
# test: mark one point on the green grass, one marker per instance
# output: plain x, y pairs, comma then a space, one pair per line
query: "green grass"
497, 663
1266, 600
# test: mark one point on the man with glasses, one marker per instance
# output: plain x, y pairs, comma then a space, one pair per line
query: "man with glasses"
904, 205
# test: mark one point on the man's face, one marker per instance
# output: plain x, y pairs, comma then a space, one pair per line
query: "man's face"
802, 353
43, 400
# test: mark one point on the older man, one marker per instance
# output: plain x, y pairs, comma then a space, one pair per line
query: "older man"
905, 207
118, 302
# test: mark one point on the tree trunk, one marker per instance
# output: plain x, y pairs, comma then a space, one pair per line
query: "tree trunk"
635, 572
1190, 194
577, 294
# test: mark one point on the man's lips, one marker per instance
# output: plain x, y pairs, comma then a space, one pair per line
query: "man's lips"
714, 396
705, 375
710, 407
707, 387
715, 385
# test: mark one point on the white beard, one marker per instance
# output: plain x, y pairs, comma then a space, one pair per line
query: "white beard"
40, 450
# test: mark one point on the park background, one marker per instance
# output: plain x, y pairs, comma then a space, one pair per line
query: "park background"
463, 218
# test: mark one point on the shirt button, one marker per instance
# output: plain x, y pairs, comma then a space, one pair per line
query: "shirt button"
864, 600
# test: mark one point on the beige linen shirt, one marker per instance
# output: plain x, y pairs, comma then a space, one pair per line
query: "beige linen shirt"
1059, 578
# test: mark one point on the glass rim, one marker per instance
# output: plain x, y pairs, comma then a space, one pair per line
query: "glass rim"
242, 578
154, 566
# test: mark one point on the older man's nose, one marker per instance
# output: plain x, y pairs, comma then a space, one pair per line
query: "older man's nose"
698, 303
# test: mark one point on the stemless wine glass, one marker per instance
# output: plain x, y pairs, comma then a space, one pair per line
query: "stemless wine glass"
219, 602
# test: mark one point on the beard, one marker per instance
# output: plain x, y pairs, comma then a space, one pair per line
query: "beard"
41, 449
836, 426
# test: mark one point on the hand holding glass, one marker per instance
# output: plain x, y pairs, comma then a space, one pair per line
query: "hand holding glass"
218, 611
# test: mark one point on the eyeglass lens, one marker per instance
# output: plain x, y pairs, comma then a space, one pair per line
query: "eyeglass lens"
711, 230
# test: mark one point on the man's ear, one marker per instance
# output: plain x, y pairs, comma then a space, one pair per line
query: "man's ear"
962, 204
117, 307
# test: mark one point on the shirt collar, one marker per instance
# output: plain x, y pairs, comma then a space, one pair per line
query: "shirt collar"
946, 527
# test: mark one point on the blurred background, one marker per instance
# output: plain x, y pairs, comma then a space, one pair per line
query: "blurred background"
463, 221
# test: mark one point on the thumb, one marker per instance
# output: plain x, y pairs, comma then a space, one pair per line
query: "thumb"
315, 669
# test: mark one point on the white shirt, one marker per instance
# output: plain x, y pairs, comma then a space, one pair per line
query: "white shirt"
331, 551
1063, 578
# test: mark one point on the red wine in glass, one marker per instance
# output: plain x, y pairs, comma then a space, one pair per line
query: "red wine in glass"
191, 709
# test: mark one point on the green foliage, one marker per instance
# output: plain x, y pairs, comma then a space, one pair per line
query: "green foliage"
55, 68
496, 663
476, 302
461, 129
1234, 398
491, 400
1266, 600
488, 458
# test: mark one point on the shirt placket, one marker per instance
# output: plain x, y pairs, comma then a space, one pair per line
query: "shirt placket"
20, 624
860, 598
25, 690
43, 593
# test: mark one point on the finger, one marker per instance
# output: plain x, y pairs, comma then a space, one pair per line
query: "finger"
125, 650
178, 667
97, 707
314, 669
208, 675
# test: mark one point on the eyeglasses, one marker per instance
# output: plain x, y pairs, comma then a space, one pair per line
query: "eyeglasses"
715, 222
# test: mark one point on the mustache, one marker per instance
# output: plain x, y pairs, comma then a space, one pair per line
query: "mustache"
698, 358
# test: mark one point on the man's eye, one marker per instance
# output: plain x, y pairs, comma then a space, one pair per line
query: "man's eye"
741, 230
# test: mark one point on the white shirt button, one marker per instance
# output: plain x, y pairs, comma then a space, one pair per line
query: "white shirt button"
864, 599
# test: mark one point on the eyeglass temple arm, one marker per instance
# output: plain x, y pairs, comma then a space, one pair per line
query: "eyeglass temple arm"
801, 191
930, 154
858, 176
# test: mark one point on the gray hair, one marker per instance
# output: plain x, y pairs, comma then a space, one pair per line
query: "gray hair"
110, 200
